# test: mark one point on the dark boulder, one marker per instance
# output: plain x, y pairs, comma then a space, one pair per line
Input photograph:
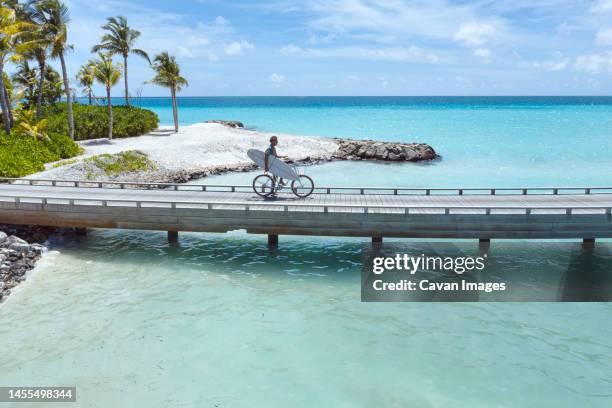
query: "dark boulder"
229, 123
384, 151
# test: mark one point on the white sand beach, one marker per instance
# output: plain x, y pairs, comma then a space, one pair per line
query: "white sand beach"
195, 149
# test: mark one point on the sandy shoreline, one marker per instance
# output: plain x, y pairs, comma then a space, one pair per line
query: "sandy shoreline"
197, 150
206, 149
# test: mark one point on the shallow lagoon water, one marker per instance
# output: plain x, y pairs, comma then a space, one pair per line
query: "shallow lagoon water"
221, 321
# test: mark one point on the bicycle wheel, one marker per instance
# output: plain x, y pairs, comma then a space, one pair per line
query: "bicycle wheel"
303, 186
263, 185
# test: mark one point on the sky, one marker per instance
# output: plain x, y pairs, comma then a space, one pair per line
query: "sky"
362, 47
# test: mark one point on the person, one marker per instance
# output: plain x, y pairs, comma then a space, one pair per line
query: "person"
271, 151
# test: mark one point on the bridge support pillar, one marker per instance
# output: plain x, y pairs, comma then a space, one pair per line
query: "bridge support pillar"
377, 240
80, 231
173, 237
272, 240
484, 241
588, 242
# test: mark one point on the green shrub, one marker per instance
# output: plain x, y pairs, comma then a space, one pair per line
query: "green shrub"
117, 164
91, 122
63, 146
21, 155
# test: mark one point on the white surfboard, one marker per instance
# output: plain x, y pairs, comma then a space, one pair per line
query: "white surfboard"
276, 166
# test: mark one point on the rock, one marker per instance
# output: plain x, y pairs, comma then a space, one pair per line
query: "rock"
17, 256
229, 123
15, 240
20, 248
29, 233
381, 151
3, 237
37, 249
388, 151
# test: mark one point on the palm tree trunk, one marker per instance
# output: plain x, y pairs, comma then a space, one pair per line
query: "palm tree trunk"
110, 113
5, 115
68, 97
41, 84
9, 106
175, 110
89, 94
125, 78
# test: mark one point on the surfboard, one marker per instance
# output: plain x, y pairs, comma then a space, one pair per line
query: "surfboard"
277, 167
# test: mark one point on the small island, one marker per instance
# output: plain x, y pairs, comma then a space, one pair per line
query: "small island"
213, 148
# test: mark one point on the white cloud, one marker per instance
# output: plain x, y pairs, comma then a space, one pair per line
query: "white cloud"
220, 20
604, 37
400, 54
602, 6
595, 63
277, 78
236, 48
184, 52
197, 41
475, 34
483, 53
437, 19
558, 65
182, 34
558, 62
290, 49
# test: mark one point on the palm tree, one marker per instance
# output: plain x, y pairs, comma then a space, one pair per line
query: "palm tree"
86, 78
169, 76
26, 78
37, 45
108, 74
11, 29
120, 40
53, 16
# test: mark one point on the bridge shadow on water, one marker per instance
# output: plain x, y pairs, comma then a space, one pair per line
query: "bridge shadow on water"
531, 271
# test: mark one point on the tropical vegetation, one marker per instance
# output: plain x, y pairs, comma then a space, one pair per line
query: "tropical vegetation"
108, 74
168, 75
91, 121
40, 117
120, 40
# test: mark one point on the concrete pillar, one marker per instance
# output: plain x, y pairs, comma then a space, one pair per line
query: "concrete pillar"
173, 237
377, 240
272, 240
588, 242
484, 246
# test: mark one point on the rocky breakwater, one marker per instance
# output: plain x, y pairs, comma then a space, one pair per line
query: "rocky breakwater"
17, 257
229, 123
385, 151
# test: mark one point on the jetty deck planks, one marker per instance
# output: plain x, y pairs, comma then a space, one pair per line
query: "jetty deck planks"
438, 215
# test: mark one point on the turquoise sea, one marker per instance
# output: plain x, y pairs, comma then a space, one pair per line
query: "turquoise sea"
221, 321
